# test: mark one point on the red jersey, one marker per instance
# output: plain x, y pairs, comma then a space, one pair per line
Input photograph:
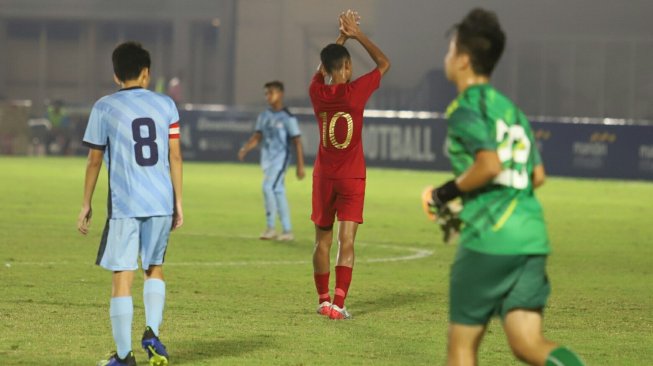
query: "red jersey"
339, 112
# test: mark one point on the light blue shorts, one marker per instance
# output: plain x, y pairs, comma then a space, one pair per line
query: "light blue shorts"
123, 239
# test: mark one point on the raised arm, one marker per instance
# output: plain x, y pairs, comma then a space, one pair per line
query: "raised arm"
342, 38
350, 28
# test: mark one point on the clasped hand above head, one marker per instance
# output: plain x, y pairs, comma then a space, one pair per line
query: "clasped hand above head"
349, 23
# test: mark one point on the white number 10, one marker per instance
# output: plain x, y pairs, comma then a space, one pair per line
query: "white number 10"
514, 148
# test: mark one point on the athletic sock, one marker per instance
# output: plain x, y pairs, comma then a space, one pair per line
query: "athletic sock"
121, 311
154, 297
343, 279
322, 286
563, 356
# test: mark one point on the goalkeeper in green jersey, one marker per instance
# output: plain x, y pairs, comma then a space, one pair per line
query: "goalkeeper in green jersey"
500, 264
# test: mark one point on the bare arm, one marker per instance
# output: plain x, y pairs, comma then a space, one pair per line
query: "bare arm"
341, 39
299, 148
249, 145
539, 176
93, 166
349, 27
176, 174
485, 168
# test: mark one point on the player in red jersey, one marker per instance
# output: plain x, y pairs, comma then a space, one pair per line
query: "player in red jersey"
339, 172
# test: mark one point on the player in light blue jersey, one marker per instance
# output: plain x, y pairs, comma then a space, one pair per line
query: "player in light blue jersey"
136, 133
277, 129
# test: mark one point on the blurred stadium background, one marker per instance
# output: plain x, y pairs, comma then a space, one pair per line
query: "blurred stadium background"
575, 63
578, 58
580, 70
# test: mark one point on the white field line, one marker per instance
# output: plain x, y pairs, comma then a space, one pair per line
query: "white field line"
413, 254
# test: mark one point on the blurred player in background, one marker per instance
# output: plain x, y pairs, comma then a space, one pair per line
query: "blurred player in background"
59, 139
277, 128
339, 173
136, 131
500, 265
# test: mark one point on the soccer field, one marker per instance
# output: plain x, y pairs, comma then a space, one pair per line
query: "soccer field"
234, 300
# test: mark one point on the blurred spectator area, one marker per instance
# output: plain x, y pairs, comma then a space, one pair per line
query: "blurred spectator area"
557, 62
15, 132
59, 131
62, 50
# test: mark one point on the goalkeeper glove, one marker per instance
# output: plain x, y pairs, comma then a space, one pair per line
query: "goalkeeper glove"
447, 219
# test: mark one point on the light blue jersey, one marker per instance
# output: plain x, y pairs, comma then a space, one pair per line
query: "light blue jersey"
133, 127
277, 128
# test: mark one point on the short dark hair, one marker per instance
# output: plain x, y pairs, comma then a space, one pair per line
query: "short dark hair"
274, 84
480, 36
129, 59
333, 57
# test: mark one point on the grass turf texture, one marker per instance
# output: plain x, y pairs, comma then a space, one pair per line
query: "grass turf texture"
233, 299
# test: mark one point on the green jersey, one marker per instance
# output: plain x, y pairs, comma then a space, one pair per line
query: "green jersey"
504, 217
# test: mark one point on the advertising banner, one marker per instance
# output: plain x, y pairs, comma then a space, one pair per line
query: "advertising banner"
568, 149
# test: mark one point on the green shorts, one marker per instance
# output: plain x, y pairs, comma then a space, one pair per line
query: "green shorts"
483, 285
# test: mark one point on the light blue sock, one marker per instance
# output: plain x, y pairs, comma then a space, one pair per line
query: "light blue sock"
284, 211
154, 297
122, 312
270, 203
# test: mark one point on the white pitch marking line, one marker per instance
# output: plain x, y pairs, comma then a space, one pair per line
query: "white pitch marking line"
416, 253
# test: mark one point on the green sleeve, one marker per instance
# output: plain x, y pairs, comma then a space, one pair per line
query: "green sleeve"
469, 128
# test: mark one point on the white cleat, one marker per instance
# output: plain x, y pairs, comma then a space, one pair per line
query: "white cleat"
339, 314
286, 236
324, 308
268, 234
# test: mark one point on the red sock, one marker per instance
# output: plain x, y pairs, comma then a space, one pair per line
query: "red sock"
322, 286
343, 279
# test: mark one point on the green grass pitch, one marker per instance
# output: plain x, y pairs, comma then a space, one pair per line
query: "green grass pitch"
235, 300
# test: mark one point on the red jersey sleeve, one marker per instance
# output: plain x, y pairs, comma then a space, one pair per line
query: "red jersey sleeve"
365, 85
316, 82
318, 78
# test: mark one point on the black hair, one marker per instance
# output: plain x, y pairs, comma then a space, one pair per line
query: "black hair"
274, 84
129, 59
333, 57
480, 36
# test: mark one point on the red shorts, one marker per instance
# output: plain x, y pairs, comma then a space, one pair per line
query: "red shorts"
344, 197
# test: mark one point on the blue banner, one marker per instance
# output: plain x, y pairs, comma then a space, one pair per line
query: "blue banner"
596, 151
568, 149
